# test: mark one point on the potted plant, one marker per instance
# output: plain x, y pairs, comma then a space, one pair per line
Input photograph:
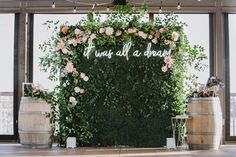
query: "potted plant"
204, 128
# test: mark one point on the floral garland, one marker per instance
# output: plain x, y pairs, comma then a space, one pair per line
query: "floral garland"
77, 36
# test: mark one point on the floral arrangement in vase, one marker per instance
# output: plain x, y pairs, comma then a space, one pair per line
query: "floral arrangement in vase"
211, 89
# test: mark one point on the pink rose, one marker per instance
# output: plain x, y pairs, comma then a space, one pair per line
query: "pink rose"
60, 45
82, 91
168, 60
64, 30
154, 40
74, 42
162, 30
69, 67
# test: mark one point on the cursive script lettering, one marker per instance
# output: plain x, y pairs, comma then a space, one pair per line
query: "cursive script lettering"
126, 50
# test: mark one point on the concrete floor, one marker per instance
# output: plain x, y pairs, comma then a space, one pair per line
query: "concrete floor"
15, 150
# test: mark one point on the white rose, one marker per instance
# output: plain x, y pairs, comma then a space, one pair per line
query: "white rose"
175, 36
76, 81
130, 30
65, 51
167, 42
70, 41
84, 39
73, 100
82, 75
77, 31
172, 46
164, 69
92, 36
77, 89
140, 33
109, 31
118, 33
101, 30
86, 78
134, 30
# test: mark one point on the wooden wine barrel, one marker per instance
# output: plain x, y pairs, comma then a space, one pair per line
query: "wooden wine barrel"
204, 128
34, 127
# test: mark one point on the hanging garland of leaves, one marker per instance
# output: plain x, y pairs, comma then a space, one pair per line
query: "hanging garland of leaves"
120, 80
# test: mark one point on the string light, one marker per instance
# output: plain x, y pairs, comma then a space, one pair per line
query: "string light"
74, 10
93, 6
53, 5
160, 10
178, 6
108, 8
199, 0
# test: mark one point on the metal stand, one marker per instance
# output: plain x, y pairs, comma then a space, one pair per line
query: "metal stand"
179, 128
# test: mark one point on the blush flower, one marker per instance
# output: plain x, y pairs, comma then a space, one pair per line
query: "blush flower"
72, 100
162, 30
164, 69
144, 36
175, 36
64, 29
74, 42
118, 33
77, 32
130, 30
82, 75
60, 45
168, 60
86, 78
65, 50
69, 67
154, 40
101, 30
77, 90
172, 45
82, 91
109, 31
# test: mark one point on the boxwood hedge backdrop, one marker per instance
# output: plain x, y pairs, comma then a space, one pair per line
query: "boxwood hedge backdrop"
111, 101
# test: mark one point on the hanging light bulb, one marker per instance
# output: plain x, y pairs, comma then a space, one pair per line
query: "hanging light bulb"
93, 8
53, 5
178, 6
160, 10
74, 10
108, 8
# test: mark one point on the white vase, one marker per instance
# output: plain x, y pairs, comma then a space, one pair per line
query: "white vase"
71, 142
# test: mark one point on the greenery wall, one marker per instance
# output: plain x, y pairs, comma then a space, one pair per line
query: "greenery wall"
124, 102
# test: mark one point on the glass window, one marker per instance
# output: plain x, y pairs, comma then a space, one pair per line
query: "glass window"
232, 58
6, 70
197, 31
42, 33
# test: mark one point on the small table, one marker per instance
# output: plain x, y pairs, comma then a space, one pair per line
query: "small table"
179, 126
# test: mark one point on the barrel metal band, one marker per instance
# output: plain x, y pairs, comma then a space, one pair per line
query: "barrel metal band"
201, 133
199, 113
34, 132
